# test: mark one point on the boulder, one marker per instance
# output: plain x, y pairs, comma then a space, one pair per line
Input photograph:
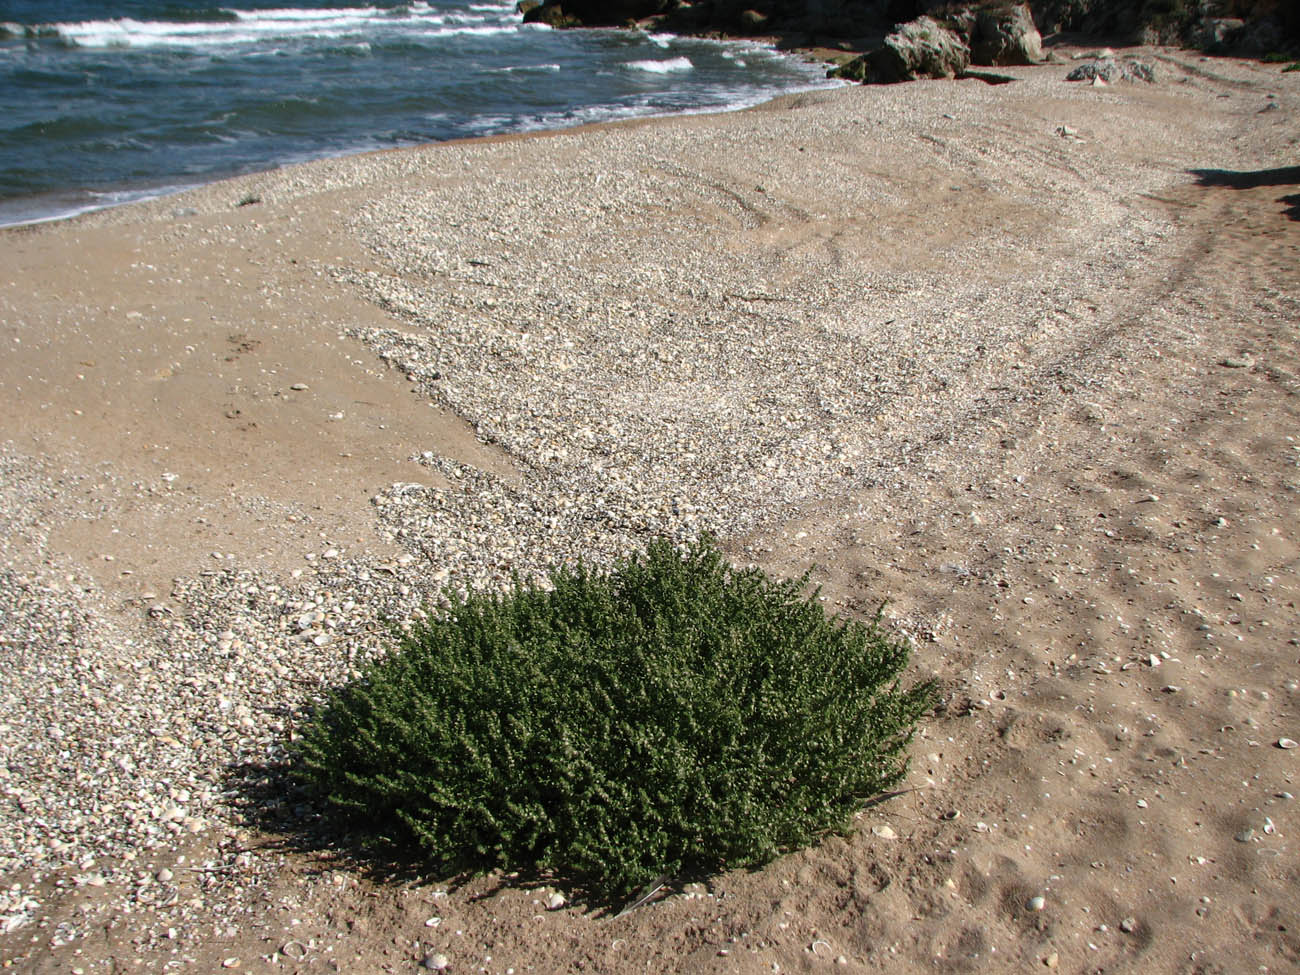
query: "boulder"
594, 13
550, 13
962, 20
922, 48
1109, 70
1216, 33
1262, 35
1006, 35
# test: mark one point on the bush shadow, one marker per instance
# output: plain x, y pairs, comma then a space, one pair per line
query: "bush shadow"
1251, 179
269, 799
293, 821
1248, 179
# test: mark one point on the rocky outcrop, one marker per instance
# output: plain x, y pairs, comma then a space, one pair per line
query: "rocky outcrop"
922, 48
998, 32
595, 13
1004, 36
1106, 70
1216, 33
929, 48
1272, 24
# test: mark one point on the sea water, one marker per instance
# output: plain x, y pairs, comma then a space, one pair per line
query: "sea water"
105, 101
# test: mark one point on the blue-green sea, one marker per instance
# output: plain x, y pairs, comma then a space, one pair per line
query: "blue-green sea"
105, 102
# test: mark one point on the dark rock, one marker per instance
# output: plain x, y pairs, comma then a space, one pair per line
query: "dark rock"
1006, 35
962, 21
990, 28
551, 13
859, 70
1265, 35
1216, 33
922, 48
602, 13
524, 6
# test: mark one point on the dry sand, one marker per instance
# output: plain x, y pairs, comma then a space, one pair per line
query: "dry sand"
1088, 527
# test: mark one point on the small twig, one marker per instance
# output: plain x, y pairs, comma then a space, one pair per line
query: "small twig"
655, 887
877, 800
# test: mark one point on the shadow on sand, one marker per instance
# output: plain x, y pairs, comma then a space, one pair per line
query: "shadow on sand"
1253, 179
270, 800
292, 820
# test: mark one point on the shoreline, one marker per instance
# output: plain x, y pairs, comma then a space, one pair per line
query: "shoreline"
140, 195
1032, 388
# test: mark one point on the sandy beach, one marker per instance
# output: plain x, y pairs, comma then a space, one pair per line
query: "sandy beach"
1020, 359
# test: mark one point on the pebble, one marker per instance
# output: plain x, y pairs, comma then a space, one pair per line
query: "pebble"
884, 832
1245, 836
436, 961
1128, 924
555, 901
299, 387
1052, 960
1036, 903
1287, 743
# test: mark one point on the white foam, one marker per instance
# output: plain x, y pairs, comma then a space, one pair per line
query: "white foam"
660, 67
46, 209
253, 26
513, 68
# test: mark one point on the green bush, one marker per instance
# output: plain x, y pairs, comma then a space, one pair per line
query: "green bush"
675, 717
